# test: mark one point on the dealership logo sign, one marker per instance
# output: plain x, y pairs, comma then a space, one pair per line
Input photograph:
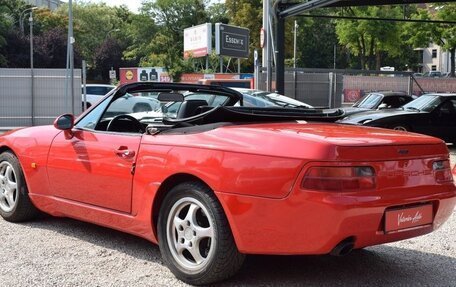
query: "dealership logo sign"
232, 41
401, 218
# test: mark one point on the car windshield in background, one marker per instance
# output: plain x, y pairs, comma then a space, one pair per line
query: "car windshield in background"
426, 103
252, 101
369, 102
100, 91
268, 99
135, 103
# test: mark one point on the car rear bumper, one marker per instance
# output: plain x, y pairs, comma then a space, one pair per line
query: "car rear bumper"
315, 222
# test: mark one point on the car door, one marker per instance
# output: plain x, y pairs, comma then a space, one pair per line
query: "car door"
94, 166
443, 120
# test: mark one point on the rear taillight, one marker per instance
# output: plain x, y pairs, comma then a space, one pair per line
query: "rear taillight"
442, 171
339, 179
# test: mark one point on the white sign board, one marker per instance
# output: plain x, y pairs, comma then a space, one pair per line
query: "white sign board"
198, 41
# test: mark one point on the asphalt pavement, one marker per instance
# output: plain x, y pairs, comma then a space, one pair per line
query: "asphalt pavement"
64, 252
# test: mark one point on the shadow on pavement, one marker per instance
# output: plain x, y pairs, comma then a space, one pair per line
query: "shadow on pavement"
376, 266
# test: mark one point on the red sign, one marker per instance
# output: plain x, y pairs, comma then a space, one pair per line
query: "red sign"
351, 96
197, 53
128, 75
408, 217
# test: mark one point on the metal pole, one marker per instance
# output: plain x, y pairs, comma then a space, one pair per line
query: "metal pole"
267, 60
31, 69
410, 85
21, 24
221, 64
294, 57
84, 84
207, 63
280, 61
239, 65
331, 89
70, 35
256, 65
334, 59
266, 34
294, 45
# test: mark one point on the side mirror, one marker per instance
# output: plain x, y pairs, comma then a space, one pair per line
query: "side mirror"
64, 122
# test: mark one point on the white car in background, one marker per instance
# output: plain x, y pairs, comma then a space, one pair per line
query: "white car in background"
95, 92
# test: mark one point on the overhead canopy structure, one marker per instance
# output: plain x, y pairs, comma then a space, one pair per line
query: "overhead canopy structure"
285, 10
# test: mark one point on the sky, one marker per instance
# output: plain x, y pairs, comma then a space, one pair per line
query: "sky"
133, 5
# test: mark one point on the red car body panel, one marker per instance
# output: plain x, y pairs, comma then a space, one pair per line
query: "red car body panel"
256, 172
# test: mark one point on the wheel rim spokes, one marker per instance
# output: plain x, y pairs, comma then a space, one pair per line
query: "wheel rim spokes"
8, 187
190, 234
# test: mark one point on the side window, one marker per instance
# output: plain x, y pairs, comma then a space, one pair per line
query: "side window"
448, 108
404, 100
91, 119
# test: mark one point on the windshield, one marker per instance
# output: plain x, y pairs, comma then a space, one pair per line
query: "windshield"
370, 101
273, 99
426, 103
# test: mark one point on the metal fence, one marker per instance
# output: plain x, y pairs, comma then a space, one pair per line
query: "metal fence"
334, 88
50, 98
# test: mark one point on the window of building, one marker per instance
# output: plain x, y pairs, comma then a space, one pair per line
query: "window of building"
434, 53
420, 55
434, 68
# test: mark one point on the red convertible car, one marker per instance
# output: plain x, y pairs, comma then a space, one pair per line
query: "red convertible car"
220, 181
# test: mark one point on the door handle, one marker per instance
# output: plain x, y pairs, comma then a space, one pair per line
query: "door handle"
124, 152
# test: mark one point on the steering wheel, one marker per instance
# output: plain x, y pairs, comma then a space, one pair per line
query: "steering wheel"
135, 127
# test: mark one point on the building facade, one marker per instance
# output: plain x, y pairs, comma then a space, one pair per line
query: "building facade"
434, 58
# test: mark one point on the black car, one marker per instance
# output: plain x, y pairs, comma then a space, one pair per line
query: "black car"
379, 101
431, 114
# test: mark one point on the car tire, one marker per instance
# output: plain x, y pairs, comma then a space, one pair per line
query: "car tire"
194, 236
15, 204
403, 128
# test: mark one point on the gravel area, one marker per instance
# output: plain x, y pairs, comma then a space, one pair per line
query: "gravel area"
64, 252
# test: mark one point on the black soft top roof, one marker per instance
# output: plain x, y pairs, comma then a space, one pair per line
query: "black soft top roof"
234, 96
256, 114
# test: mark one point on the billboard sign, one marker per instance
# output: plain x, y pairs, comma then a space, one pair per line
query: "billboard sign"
198, 41
232, 41
153, 74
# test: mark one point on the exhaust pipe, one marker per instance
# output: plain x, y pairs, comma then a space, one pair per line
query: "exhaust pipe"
343, 248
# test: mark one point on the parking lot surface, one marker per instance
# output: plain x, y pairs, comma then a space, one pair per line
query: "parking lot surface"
65, 252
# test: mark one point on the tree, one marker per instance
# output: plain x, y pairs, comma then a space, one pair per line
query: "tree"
9, 17
247, 14
422, 34
447, 12
17, 53
51, 49
316, 39
217, 13
172, 17
92, 24
108, 55
370, 40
